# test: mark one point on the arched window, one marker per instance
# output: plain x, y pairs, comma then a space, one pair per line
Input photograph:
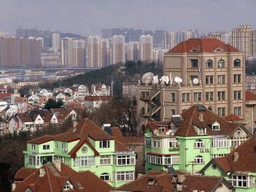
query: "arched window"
221, 63
105, 177
209, 63
198, 144
199, 160
237, 63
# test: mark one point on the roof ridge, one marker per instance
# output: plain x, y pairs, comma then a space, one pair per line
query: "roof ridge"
49, 180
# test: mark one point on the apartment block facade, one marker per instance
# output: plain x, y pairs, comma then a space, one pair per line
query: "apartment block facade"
86, 147
188, 142
210, 73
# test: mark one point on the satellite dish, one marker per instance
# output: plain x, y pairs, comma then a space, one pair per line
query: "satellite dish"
195, 81
165, 79
177, 80
147, 78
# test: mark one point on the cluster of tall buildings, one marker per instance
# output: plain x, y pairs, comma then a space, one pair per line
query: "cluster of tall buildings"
108, 51
20, 52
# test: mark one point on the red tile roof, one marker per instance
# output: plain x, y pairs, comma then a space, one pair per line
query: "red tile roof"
233, 117
249, 96
190, 118
82, 132
54, 180
133, 140
246, 158
202, 45
4, 95
160, 181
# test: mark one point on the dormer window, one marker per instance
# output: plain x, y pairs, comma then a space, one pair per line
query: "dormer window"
193, 50
161, 129
216, 127
68, 186
104, 144
239, 132
218, 49
202, 131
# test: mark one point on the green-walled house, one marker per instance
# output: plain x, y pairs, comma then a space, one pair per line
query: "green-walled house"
238, 167
189, 141
86, 147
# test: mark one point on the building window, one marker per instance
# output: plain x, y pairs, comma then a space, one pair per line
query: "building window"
221, 63
84, 161
240, 181
125, 160
221, 111
236, 141
237, 63
33, 146
216, 127
237, 111
124, 176
217, 155
198, 144
220, 142
221, 95
173, 97
46, 147
173, 111
56, 144
183, 97
201, 131
194, 63
237, 95
209, 79
163, 160
63, 145
209, 96
105, 160
105, 177
221, 79
209, 63
199, 160
104, 144
197, 96
156, 144
161, 129
172, 143
188, 97
148, 141
67, 186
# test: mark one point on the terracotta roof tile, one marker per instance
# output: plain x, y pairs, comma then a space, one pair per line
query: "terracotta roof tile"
133, 140
249, 96
233, 117
55, 182
23, 173
202, 45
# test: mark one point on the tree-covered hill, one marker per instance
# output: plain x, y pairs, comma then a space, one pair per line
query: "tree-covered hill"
129, 72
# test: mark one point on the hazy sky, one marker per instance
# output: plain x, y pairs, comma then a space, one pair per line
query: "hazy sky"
88, 17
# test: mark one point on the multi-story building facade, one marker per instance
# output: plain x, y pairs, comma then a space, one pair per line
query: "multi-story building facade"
199, 71
67, 52
188, 142
238, 167
106, 50
20, 53
79, 53
146, 48
117, 49
133, 51
86, 147
94, 53
241, 39
56, 42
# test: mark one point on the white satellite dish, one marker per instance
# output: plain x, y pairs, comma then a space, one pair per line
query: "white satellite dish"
155, 79
165, 79
195, 81
177, 80
147, 78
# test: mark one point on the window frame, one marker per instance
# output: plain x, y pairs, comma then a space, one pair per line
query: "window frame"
104, 144
194, 63
209, 64
237, 63
221, 63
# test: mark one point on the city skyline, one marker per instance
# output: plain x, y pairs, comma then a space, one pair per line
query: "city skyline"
89, 17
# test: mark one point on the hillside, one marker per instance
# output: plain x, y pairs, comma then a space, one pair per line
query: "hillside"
129, 72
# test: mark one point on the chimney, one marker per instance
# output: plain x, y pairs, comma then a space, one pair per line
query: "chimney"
236, 156
41, 172
181, 178
57, 164
13, 186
